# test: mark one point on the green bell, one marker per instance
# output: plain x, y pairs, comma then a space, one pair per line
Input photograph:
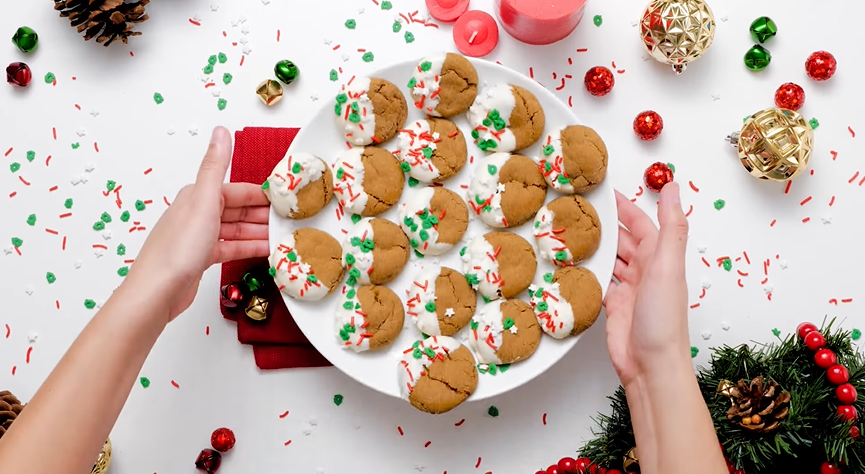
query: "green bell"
253, 281
757, 58
763, 29
286, 71
25, 39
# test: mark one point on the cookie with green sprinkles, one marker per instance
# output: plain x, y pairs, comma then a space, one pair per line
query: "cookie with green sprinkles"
300, 186
567, 302
567, 230
374, 251
369, 180
506, 190
440, 301
368, 318
434, 150
444, 85
504, 332
369, 111
499, 264
505, 118
307, 264
434, 218
574, 159
437, 374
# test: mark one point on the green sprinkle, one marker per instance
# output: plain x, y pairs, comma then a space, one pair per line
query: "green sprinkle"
561, 255
110, 185
355, 218
429, 352
350, 24
343, 334
427, 224
487, 122
424, 235
493, 369
211, 60
334, 76
145, 382
123, 271
431, 307
349, 259
397, 26
776, 332
265, 185
509, 323
417, 354
49, 78
416, 344
89, 304
75, 145
418, 254
223, 58
351, 281
369, 243
414, 243
386, 5
412, 182
539, 292
543, 306
50, 277
348, 305
425, 66
481, 369
355, 241
31, 155
694, 352
291, 256
492, 169
271, 271
548, 277
548, 150
106, 217
499, 124
728, 265
409, 37
433, 219
672, 167
719, 204
562, 179
503, 368
856, 334
157, 97
337, 399
405, 167
341, 99
368, 57
493, 411
31, 219
340, 173
354, 272
139, 205
16, 242
227, 78
123, 217
476, 134
411, 83
598, 20
814, 123
746, 119
121, 250
67, 203
99, 225
531, 293
351, 294
312, 278
207, 69
472, 278
354, 117
548, 166
427, 152
408, 221
221, 103
486, 299
297, 168
14, 167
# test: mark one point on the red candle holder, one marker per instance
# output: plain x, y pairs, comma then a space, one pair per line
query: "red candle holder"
447, 10
540, 21
476, 33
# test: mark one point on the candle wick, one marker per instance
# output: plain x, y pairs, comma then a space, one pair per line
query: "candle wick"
474, 35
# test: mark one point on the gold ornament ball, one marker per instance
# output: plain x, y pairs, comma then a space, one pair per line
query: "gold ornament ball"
270, 92
103, 462
677, 32
631, 463
774, 144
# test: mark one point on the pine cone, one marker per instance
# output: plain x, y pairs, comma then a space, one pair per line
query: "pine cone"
105, 20
759, 406
10, 408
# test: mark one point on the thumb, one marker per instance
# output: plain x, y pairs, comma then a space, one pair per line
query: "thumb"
673, 237
211, 174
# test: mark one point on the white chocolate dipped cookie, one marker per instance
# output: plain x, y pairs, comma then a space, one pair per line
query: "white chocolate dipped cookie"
505, 118
369, 111
432, 150
437, 374
306, 264
374, 251
499, 264
567, 230
368, 318
504, 332
506, 190
434, 219
444, 85
574, 159
299, 186
369, 180
567, 302
440, 301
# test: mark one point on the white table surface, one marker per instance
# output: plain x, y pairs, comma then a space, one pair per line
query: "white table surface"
163, 427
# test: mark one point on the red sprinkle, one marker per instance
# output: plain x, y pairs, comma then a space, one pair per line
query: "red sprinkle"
690, 210
582, 50
26, 183
96, 147
833, 301
207, 330
478, 464
544, 419
746, 257
849, 129
13, 193
805, 201
531, 73
9, 331
29, 350
165, 200
832, 201
51, 231
696, 189
63, 216
571, 101
847, 300
427, 444
561, 86
194, 22
9, 151
284, 414
459, 423
703, 294
277, 35
53, 131
13, 369
64, 243
695, 305
772, 224
834, 154
787, 188
706, 262
47, 160
399, 428
52, 189
287, 443
148, 170
853, 178
176, 385
806, 220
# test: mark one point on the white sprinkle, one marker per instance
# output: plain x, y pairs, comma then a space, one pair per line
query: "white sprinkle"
307, 432
76, 179
716, 97
328, 41
725, 325
89, 167
345, 57
397, 18
243, 40
725, 18
361, 10
419, 467
826, 219
314, 97
98, 252
81, 132
234, 23
706, 284
170, 131
85, 177
214, 7
266, 2
634, 23
242, 19
247, 49
768, 288
473, 36
646, 58
29, 289
312, 421
319, 470
216, 92
94, 112
513, 329
32, 337
706, 335
701, 248
449, 312
193, 132
106, 234
99, 303
197, 17
78, 264
783, 264
244, 29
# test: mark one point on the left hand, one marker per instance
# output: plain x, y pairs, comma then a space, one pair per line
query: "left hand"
209, 222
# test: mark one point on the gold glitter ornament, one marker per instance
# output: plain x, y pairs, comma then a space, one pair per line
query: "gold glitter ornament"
677, 32
269, 91
774, 144
631, 463
257, 308
103, 462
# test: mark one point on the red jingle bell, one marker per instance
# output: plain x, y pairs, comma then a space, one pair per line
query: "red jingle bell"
821, 65
553, 469
567, 466
825, 358
657, 176
829, 468
231, 295
815, 341
838, 374
18, 74
854, 432
848, 412
599, 81
222, 439
846, 394
790, 96
804, 328
648, 125
208, 461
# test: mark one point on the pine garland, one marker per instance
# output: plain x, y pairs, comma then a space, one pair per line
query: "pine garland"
811, 434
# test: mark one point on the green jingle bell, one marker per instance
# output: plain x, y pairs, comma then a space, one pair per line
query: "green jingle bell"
763, 29
286, 71
757, 58
253, 281
25, 39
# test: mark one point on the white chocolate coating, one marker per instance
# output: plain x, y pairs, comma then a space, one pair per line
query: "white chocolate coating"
421, 294
546, 238
485, 338
417, 202
479, 259
555, 158
294, 277
427, 84
348, 184
363, 261
358, 133
350, 323
413, 139
557, 319
498, 97
415, 360
485, 190
284, 184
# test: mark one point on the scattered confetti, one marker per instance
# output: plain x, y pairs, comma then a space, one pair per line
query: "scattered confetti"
386, 5
409, 37
814, 123
719, 204
157, 97
50, 277
337, 399
776, 332
350, 24
50, 78
145, 382
368, 57
220, 104
694, 352
855, 335
493, 411
598, 20
89, 304
31, 219
227, 78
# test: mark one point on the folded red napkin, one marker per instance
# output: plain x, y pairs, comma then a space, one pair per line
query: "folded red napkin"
277, 342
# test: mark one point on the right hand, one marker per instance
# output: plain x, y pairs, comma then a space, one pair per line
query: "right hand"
647, 310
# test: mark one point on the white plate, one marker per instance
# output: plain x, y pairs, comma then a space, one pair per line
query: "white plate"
378, 370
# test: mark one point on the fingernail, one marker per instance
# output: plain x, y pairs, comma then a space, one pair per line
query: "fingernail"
671, 193
216, 136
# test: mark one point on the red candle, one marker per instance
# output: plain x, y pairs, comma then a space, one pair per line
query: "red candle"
476, 33
540, 21
447, 10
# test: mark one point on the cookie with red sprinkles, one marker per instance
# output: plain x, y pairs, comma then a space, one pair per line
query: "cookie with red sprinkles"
506, 190
299, 186
437, 374
499, 264
435, 219
505, 118
369, 111
368, 318
368, 180
567, 302
432, 150
504, 332
374, 251
440, 301
307, 264
574, 159
444, 85
567, 230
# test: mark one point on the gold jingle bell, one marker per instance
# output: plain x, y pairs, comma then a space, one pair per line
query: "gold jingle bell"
774, 144
725, 388
269, 91
631, 463
103, 462
257, 308
677, 32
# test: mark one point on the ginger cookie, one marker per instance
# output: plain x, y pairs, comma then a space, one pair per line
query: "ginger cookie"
506, 118
435, 219
374, 252
499, 264
568, 302
432, 150
441, 302
369, 180
574, 160
368, 318
567, 230
299, 186
369, 111
437, 374
506, 190
444, 85
307, 265
504, 332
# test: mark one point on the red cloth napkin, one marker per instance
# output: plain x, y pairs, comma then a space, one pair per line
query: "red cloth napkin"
277, 342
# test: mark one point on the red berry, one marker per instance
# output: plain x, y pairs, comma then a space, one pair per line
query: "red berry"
854, 432
790, 96
821, 65
648, 125
846, 394
657, 176
837, 374
815, 341
829, 468
553, 469
222, 439
583, 465
599, 81
567, 466
804, 328
848, 412
825, 358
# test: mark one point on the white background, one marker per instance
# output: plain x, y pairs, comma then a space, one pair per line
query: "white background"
163, 428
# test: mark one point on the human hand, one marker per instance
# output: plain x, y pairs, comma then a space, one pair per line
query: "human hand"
647, 313
209, 222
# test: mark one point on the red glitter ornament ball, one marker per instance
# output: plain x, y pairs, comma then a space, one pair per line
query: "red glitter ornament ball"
599, 81
821, 65
846, 394
648, 125
825, 358
553, 469
830, 468
838, 374
657, 176
222, 439
854, 432
804, 328
790, 96
848, 412
567, 466
208, 461
18, 74
613, 471
815, 341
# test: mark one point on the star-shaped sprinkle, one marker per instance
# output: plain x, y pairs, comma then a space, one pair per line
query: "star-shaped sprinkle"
449, 312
